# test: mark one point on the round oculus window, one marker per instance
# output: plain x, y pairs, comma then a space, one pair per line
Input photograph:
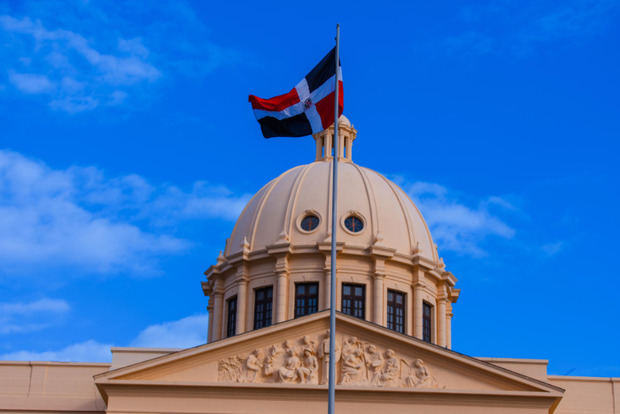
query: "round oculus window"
354, 224
309, 223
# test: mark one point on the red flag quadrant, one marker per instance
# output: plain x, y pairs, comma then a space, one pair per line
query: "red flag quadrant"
308, 108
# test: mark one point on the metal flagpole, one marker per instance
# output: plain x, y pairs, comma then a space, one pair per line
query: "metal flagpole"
332, 291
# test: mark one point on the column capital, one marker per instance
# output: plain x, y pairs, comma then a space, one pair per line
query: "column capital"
281, 264
417, 285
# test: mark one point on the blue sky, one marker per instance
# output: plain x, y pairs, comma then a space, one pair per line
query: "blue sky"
128, 148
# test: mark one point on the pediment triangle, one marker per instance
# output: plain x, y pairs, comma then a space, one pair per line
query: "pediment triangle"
296, 352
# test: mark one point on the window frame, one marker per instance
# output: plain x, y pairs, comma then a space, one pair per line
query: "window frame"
354, 299
231, 316
266, 313
395, 306
308, 299
427, 321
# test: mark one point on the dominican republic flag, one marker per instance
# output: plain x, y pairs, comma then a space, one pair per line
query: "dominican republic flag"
307, 109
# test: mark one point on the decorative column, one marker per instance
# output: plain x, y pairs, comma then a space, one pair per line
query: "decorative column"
326, 281
378, 307
218, 295
282, 275
417, 309
282, 291
449, 326
210, 307
378, 299
242, 300
441, 321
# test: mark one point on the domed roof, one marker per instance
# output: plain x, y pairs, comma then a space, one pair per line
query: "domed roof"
390, 219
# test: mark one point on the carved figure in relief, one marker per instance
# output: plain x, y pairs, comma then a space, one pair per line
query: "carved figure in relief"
272, 354
290, 371
308, 373
352, 361
420, 376
374, 362
391, 369
253, 365
324, 355
308, 344
230, 369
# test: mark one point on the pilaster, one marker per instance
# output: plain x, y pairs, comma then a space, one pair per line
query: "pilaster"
326, 281
418, 287
449, 315
218, 296
282, 273
242, 299
442, 301
210, 307
378, 294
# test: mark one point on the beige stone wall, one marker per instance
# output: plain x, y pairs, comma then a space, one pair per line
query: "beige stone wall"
313, 401
592, 395
33, 387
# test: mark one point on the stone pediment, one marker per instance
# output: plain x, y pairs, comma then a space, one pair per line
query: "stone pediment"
295, 353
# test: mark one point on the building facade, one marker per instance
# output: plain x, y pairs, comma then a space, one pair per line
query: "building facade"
267, 342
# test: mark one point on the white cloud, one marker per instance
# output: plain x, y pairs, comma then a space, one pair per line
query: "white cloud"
183, 333
65, 55
19, 317
116, 69
551, 249
78, 217
43, 221
88, 351
30, 83
455, 225
97, 55
204, 201
41, 305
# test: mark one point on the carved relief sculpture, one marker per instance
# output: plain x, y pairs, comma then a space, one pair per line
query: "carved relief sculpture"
301, 361
324, 355
420, 377
374, 362
289, 372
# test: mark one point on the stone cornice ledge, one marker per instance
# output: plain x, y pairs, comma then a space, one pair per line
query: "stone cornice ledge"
310, 387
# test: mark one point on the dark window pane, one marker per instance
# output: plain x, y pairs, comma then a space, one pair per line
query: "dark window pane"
306, 298
354, 224
354, 300
263, 307
310, 222
427, 321
231, 326
396, 311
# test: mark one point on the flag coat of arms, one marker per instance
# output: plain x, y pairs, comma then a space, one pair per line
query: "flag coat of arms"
308, 108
